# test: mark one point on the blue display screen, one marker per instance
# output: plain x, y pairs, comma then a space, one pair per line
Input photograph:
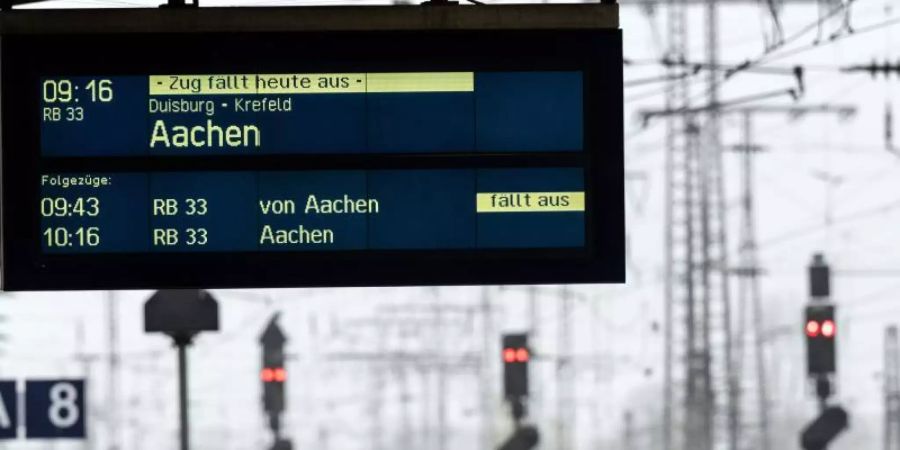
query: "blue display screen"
478, 202
279, 157
254, 114
313, 210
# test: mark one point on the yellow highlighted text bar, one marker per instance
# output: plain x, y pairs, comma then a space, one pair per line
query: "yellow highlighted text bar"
311, 83
322, 83
508, 202
251, 84
421, 82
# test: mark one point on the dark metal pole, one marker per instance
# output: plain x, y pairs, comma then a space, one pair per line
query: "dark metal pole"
182, 394
181, 314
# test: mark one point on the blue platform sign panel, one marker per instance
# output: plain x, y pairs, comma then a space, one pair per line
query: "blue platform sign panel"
9, 410
54, 409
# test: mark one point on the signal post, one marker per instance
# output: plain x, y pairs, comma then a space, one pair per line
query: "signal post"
181, 314
516, 356
273, 375
821, 331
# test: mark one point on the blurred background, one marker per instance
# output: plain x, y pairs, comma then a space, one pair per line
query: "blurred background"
804, 92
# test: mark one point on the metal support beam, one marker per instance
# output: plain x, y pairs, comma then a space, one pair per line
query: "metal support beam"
310, 18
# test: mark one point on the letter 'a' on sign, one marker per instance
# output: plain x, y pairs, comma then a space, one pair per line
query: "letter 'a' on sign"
9, 410
279, 164
55, 409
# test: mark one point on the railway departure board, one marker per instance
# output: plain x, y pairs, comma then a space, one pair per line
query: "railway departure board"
334, 158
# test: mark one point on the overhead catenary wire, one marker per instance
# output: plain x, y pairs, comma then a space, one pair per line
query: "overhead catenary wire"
752, 65
857, 32
884, 208
792, 70
766, 55
764, 69
659, 79
837, 38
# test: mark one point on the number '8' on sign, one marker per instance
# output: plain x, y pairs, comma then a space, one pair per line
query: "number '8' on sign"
54, 409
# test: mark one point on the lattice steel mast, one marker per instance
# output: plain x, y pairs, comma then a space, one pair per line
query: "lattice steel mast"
891, 389
698, 337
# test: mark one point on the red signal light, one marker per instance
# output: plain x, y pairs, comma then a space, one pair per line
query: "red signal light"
812, 328
269, 375
515, 355
522, 355
828, 329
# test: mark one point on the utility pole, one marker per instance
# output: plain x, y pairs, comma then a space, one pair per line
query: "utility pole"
717, 318
565, 382
86, 361
406, 431
891, 389
376, 405
748, 272
749, 291
874, 69
486, 375
697, 289
889, 127
700, 410
112, 407
696, 292
628, 435
535, 401
432, 318
441, 369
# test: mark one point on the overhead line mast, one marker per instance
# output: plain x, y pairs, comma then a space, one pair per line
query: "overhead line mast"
891, 379
702, 402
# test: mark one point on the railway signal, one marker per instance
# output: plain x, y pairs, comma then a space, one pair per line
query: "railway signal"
273, 375
821, 332
516, 356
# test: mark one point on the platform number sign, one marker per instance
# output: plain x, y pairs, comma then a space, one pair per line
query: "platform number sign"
9, 410
54, 409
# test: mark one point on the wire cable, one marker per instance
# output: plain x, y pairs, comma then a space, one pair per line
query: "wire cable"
767, 55
884, 208
837, 38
